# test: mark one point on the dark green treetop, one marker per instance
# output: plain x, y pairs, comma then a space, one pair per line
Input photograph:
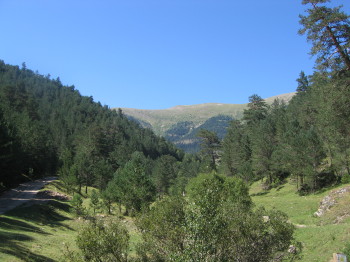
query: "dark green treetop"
303, 82
257, 109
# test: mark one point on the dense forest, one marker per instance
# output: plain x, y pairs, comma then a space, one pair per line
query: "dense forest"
184, 209
309, 138
46, 127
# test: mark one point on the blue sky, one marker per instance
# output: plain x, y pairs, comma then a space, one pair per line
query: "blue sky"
155, 54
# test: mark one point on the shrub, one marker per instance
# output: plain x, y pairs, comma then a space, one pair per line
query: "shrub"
77, 204
345, 179
215, 221
104, 241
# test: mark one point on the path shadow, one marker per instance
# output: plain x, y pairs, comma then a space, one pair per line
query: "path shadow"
14, 224
44, 213
58, 185
11, 244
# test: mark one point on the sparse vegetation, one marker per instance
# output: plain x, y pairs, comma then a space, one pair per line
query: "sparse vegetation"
320, 237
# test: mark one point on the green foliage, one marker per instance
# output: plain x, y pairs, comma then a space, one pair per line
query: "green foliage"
94, 201
108, 197
303, 82
345, 179
164, 173
106, 241
163, 230
236, 157
46, 127
257, 109
346, 249
328, 29
210, 145
134, 185
214, 222
187, 169
184, 134
77, 204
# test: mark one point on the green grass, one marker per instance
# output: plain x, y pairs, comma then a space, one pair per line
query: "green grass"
320, 236
42, 232
37, 233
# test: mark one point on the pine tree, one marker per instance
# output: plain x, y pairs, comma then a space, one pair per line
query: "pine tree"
303, 83
210, 144
94, 201
328, 29
236, 157
257, 110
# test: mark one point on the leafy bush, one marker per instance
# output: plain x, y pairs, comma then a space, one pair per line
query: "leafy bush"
215, 221
104, 241
345, 179
346, 250
77, 204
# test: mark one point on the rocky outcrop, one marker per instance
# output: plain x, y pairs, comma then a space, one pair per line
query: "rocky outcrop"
329, 201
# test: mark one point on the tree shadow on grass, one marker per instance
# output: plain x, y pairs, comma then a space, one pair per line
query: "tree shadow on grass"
263, 193
14, 224
11, 244
44, 214
58, 184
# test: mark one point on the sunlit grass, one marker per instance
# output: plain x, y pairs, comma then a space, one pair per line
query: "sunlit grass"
320, 236
43, 232
37, 233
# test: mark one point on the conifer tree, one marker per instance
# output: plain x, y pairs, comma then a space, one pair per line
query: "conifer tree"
303, 83
210, 144
328, 29
257, 109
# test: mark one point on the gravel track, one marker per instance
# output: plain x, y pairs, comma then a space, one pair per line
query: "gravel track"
22, 194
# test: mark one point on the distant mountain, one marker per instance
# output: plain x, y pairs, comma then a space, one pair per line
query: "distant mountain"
184, 134
180, 124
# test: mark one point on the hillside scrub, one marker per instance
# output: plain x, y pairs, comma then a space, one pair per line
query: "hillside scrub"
214, 222
320, 236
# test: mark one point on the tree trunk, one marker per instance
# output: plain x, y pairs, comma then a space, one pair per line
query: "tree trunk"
339, 48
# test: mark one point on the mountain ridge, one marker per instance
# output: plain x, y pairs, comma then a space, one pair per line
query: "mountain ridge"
161, 120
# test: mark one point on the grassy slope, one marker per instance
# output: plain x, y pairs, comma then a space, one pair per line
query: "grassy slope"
320, 236
43, 232
38, 232
162, 120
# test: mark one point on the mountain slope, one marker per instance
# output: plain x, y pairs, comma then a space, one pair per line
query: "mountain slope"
184, 134
162, 120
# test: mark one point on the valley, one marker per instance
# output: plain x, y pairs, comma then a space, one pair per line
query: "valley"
180, 124
26, 231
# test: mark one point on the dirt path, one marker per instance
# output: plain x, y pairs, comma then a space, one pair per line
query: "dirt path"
22, 194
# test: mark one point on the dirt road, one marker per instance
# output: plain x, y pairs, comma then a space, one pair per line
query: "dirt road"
22, 194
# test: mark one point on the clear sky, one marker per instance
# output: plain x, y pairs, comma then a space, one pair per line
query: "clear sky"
155, 54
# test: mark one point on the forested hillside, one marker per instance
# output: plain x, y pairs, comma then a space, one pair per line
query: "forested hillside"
309, 138
47, 127
155, 203
185, 134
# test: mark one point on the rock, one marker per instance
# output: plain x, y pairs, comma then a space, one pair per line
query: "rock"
292, 249
330, 200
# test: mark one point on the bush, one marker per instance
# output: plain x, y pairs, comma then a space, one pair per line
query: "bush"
345, 179
216, 221
346, 250
106, 241
77, 204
